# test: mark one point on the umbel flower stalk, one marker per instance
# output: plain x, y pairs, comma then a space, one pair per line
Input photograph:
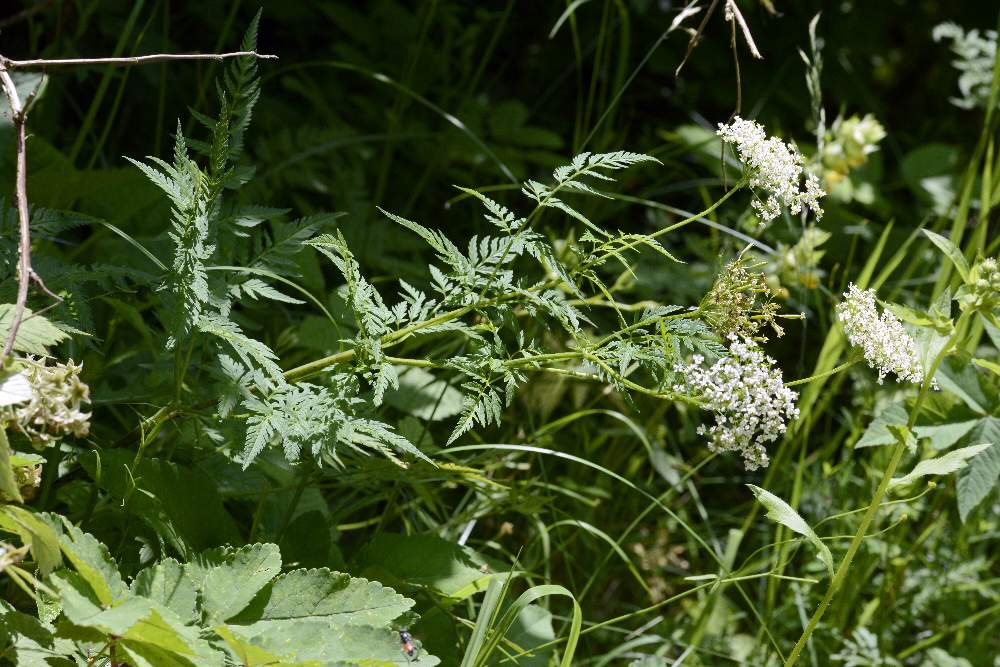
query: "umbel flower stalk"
887, 347
746, 392
775, 169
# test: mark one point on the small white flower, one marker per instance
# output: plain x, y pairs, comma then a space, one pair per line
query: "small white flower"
775, 168
886, 345
746, 391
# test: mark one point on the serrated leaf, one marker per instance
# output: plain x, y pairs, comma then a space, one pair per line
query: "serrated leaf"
83, 610
258, 289
162, 640
950, 251
781, 512
14, 389
251, 655
336, 598
341, 646
31, 642
32, 530
983, 471
167, 583
228, 588
941, 465
428, 562
34, 335
94, 563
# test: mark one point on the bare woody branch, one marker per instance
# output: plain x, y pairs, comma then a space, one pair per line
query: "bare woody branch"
134, 60
19, 114
21, 196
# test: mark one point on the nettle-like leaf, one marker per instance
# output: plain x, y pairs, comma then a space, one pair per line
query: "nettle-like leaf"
224, 605
781, 512
35, 334
983, 472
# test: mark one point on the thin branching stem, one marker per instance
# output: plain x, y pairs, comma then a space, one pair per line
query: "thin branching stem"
883, 486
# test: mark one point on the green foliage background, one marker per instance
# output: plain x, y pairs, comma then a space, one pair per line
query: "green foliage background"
602, 501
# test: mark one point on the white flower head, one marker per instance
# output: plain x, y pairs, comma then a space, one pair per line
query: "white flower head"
746, 392
774, 168
886, 345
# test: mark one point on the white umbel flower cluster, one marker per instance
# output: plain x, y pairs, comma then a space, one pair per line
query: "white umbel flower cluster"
775, 168
746, 392
886, 345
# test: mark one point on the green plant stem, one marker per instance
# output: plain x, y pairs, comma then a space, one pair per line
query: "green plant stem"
934, 639
880, 491
832, 371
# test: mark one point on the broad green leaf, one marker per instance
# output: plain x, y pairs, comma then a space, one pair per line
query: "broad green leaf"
422, 395
531, 628
428, 562
166, 583
34, 531
943, 436
910, 315
179, 503
958, 376
161, 638
9, 490
941, 465
228, 588
14, 389
981, 476
336, 598
251, 655
94, 563
877, 433
951, 252
80, 608
336, 645
34, 335
28, 642
781, 512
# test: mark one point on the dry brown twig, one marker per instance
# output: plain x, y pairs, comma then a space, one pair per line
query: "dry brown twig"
19, 114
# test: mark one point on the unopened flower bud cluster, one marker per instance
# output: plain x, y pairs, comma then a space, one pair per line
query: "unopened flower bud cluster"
887, 347
746, 392
848, 146
985, 284
740, 302
775, 168
55, 408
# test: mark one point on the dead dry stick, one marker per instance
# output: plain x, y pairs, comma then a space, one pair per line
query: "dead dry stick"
133, 60
19, 114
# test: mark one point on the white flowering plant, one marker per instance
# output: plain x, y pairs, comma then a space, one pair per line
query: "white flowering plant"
435, 342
